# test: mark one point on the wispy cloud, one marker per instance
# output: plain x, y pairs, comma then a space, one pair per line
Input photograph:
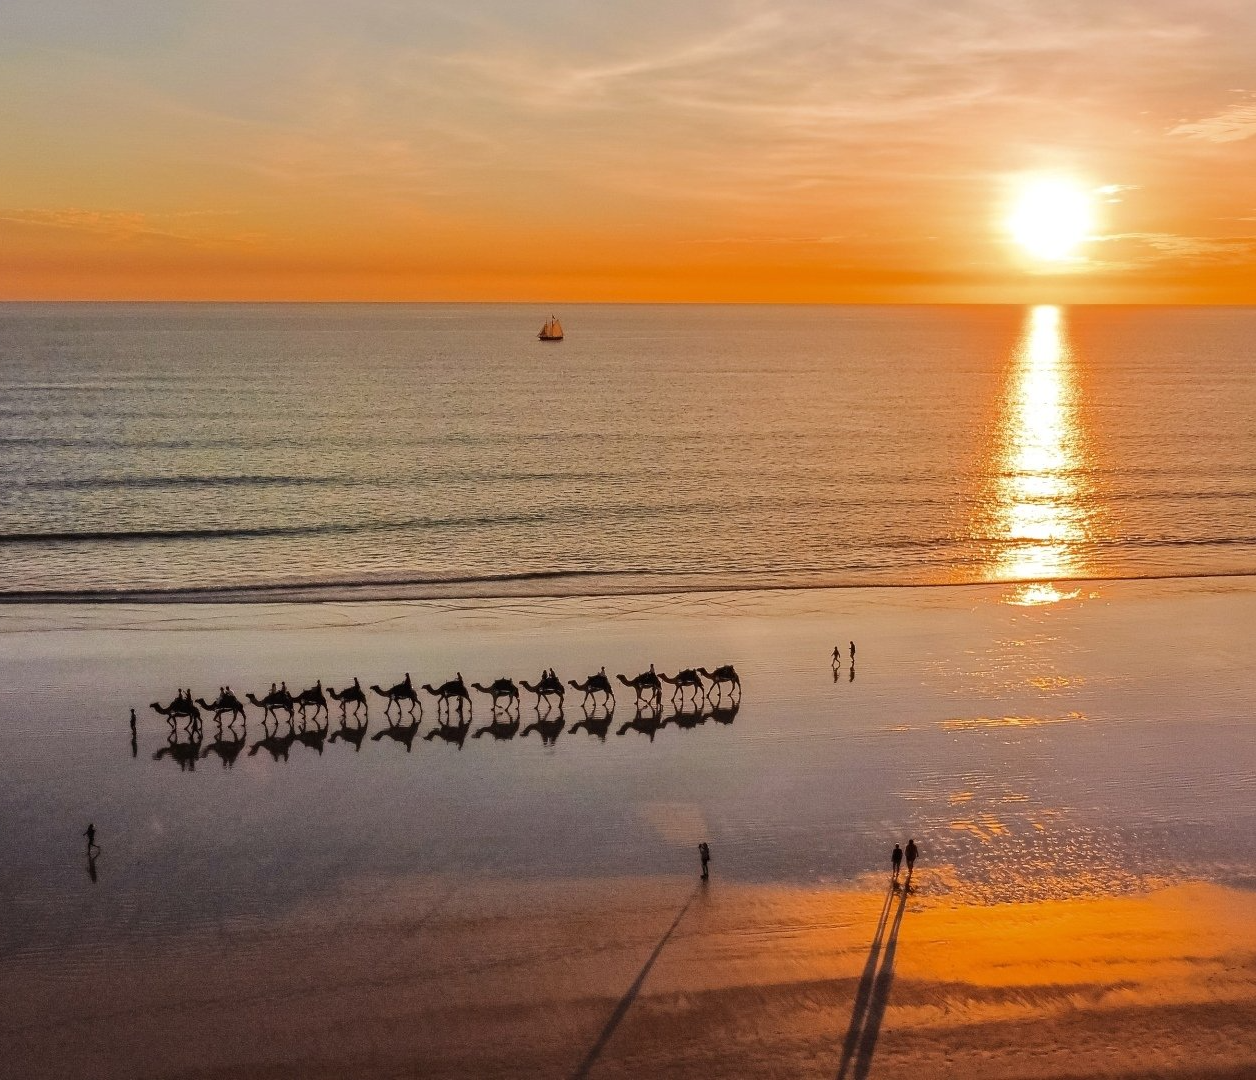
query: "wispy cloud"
1160, 246
199, 227
1229, 125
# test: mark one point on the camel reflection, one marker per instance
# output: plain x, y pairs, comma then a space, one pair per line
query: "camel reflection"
448, 731
352, 733
313, 736
724, 713
596, 721
503, 728
227, 746
276, 745
184, 751
687, 715
549, 728
647, 719
398, 732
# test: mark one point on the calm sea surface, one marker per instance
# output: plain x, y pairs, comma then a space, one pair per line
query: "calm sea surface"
442, 450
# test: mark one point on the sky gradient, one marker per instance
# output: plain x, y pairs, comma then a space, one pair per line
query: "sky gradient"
737, 150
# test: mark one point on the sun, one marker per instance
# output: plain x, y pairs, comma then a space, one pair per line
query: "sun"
1051, 218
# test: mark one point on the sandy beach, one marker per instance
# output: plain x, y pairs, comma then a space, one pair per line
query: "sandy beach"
1078, 774
659, 977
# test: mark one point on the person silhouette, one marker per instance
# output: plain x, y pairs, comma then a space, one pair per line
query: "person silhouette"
132, 722
837, 656
896, 860
912, 852
90, 833
704, 853
852, 652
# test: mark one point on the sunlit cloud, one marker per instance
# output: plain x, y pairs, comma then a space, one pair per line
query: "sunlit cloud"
1230, 125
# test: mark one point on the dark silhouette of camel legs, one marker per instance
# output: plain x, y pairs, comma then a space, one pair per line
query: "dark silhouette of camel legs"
864, 990
880, 997
625, 1003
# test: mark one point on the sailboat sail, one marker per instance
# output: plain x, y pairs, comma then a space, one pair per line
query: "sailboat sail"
552, 330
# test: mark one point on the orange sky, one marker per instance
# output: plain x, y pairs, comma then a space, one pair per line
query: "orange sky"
736, 150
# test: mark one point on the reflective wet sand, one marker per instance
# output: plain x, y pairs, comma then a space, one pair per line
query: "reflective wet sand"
1078, 774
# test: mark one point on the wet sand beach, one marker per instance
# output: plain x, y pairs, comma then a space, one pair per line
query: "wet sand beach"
1074, 761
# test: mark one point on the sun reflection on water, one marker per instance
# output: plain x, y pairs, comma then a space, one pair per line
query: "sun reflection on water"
1039, 517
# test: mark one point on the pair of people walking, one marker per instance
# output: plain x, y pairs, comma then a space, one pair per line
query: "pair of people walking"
896, 858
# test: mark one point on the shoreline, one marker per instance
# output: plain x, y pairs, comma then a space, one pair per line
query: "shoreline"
361, 592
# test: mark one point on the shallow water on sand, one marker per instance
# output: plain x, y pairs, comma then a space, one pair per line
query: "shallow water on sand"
1100, 744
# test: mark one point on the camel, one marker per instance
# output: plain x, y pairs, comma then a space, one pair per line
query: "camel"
399, 732
646, 685
226, 701
273, 702
595, 724
277, 746
726, 674
645, 720
186, 752
548, 729
315, 738
455, 688
227, 749
313, 698
500, 688
181, 706
350, 734
549, 685
499, 729
350, 695
685, 679
403, 691
594, 685
450, 733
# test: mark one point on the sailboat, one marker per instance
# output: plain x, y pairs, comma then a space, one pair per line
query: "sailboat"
552, 330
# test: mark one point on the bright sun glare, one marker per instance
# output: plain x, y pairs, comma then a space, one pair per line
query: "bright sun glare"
1051, 218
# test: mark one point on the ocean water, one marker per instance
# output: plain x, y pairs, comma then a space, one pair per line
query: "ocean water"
425, 451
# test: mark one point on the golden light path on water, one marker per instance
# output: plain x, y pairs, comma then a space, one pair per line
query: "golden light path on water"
1039, 515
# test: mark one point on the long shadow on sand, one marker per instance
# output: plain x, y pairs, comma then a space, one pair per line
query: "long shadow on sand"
625, 1003
873, 993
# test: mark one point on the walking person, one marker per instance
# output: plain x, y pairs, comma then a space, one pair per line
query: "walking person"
912, 852
896, 860
837, 656
852, 654
704, 853
91, 836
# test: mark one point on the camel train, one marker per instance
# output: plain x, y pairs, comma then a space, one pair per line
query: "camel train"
697, 695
